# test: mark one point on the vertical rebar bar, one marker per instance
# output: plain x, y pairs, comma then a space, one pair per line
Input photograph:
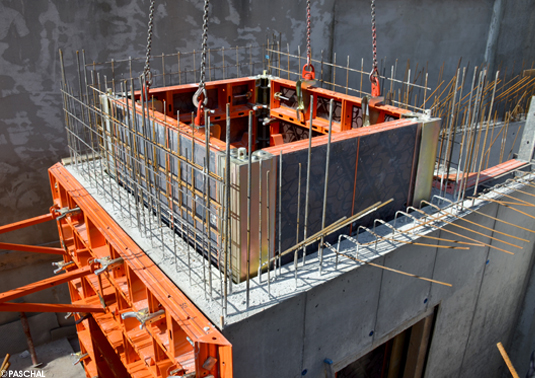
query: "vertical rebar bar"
260, 251
268, 234
249, 175
307, 189
465, 134
208, 200
227, 201
135, 163
449, 132
205, 216
280, 210
64, 95
297, 233
333, 87
326, 186
347, 75
288, 50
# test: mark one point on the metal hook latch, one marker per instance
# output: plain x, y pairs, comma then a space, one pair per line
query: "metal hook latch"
200, 93
142, 316
300, 110
365, 111
79, 357
374, 79
61, 265
107, 263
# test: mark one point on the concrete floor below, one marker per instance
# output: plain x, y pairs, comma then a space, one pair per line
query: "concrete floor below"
55, 358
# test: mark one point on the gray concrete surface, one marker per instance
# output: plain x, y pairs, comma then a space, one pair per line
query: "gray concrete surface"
55, 358
345, 313
21, 268
44, 328
480, 309
523, 340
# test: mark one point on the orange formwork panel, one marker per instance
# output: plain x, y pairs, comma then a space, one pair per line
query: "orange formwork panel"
283, 108
151, 327
485, 175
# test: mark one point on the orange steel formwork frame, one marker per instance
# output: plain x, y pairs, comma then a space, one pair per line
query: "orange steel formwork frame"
131, 319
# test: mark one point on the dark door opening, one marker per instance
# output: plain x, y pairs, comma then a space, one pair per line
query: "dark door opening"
403, 356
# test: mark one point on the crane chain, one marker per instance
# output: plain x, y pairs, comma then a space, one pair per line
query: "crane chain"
146, 70
200, 98
308, 69
375, 71
204, 43
374, 74
308, 34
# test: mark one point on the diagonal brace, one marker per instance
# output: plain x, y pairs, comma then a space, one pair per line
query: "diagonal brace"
27, 223
44, 284
32, 248
48, 307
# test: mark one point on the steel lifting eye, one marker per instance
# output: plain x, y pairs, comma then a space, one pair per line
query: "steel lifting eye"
309, 74
199, 95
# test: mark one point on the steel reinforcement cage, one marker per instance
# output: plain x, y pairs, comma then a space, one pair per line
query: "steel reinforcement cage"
147, 157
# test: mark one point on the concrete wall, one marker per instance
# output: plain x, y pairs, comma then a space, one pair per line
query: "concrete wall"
32, 135
18, 269
347, 317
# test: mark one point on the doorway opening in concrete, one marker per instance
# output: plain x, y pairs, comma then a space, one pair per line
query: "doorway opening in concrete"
403, 356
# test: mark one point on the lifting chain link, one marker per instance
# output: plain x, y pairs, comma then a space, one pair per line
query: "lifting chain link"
200, 98
308, 33
146, 70
374, 75
308, 68
374, 39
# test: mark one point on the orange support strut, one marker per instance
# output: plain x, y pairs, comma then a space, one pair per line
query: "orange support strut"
27, 223
48, 307
32, 248
44, 284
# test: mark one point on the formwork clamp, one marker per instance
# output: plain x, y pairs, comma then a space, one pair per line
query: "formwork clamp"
64, 212
142, 316
107, 263
79, 357
61, 265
